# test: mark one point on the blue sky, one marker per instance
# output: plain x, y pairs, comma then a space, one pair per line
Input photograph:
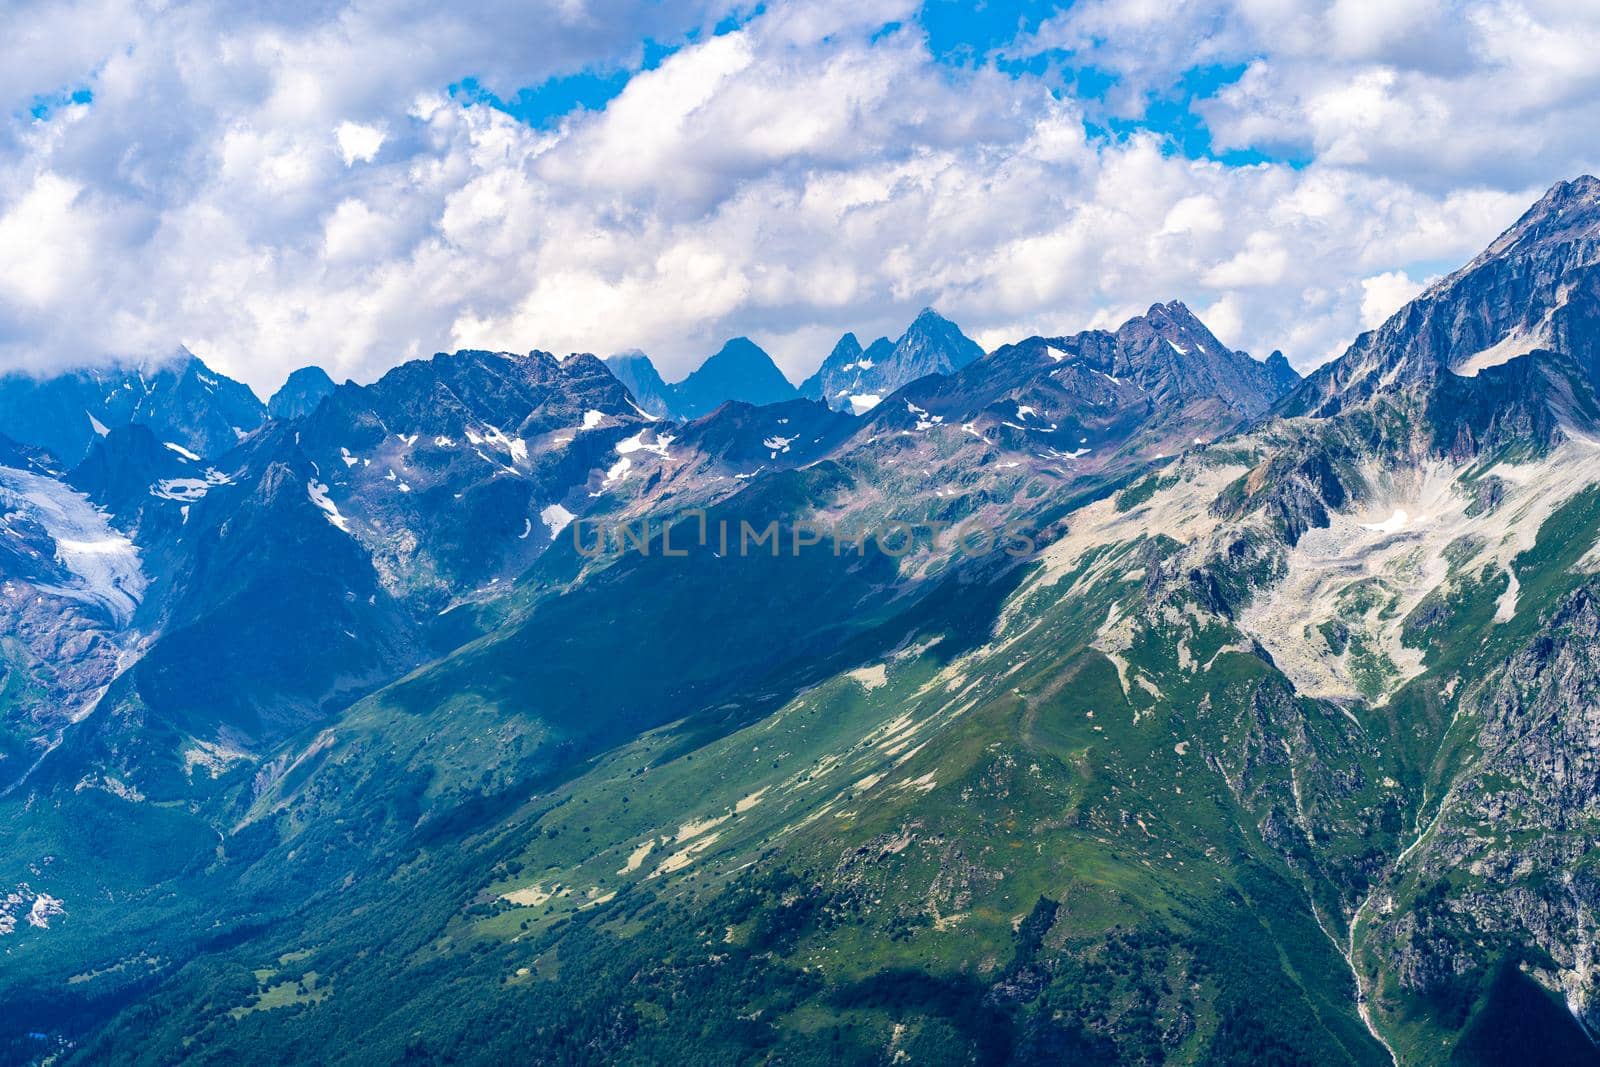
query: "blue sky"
961, 36
359, 184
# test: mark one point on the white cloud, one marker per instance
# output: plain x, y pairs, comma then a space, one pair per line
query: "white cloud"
272, 188
1263, 261
1384, 294
1440, 93
44, 234
358, 143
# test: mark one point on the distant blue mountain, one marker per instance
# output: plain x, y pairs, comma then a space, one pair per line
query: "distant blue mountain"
301, 394
853, 379
634, 370
740, 370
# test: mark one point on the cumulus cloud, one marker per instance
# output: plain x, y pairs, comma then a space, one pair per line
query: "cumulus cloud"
1384, 294
1438, 93
358, 143
276, 188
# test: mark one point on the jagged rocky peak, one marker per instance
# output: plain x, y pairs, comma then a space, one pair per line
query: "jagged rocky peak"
301, 393
1281, 371
847, 350
124, 465
1567, 216
1512, 300
853, 379
443, 467
934, 342
1171, 355
452, 392
1175, 325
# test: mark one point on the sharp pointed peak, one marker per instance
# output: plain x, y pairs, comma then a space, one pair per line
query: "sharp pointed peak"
1171, 310
1584, 185
1568, 211
1580, 192
930, 318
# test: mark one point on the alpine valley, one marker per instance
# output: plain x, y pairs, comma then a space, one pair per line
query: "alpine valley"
1267, 732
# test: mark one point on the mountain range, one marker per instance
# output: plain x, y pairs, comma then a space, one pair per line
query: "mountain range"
1106, 698
740, 370
849, 379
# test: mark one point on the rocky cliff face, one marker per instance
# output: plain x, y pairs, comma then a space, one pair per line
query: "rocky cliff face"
1505, 866
1502, 306
448, 470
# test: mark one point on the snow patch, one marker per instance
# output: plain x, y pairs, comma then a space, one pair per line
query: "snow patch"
870, 678
1393, 524
924, 420
318, 493
1519, 342
555, 518
189, 490
45, 907
636, 443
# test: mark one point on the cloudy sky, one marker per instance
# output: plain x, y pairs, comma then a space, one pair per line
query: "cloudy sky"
354, 184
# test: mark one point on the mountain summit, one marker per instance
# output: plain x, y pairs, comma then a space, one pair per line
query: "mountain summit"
1514, 299
300, 394
851, 379
740, 370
